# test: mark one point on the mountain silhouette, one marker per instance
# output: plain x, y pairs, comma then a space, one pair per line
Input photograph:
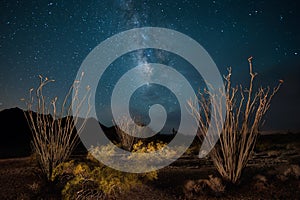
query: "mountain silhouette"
16, 134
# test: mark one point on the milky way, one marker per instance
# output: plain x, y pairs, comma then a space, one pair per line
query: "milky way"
53, 38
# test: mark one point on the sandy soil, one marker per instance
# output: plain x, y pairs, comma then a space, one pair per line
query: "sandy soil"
271, 174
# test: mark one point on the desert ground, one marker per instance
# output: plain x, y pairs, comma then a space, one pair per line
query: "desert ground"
272, 173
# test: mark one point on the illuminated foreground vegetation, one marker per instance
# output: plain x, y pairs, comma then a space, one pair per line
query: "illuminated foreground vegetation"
245, 109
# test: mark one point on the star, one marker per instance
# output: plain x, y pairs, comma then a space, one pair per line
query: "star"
53, 38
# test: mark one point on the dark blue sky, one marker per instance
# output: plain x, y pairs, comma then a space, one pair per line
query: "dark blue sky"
53, 38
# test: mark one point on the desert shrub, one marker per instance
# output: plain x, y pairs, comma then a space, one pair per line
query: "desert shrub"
193, 150
245, 109
93, 180
215, 184
195, 188
143, 147
106, 152
53, 129
260, 183
292, 171
140, 150
144, 157
162, 152
127, 132
260, 147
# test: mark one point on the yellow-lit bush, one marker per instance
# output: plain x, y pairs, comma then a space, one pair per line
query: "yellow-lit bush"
145, 156
93, 180
163, 151
149, 147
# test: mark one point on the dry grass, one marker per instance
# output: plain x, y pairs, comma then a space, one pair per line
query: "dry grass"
245, 109
54, 131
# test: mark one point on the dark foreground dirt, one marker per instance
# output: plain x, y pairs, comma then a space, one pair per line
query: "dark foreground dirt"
273, 173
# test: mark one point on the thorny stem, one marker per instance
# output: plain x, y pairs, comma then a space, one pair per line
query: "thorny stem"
244, 114
54, 136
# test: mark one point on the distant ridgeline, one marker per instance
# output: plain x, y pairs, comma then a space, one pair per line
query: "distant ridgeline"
16, 135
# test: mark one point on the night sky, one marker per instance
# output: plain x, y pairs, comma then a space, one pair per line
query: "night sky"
52, 38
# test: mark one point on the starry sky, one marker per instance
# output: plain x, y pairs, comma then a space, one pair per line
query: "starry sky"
52, 38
